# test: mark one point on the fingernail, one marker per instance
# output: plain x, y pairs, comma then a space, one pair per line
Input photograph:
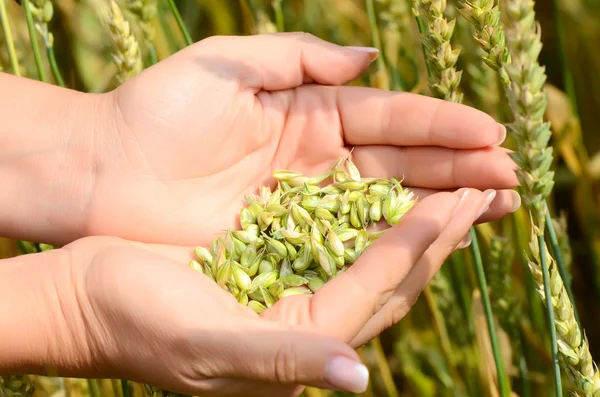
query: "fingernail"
489, 196
502, 135
347, 375
516, 200
464, 193
465, 242
371, 50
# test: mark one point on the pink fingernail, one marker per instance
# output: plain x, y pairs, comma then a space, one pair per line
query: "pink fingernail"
370, 50
347, 375
463, 196
516, 200
489, 196
502, 135
465, 242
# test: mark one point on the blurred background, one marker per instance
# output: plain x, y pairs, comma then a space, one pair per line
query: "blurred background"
442, 347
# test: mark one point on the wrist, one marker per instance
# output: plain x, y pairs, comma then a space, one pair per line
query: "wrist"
48, 159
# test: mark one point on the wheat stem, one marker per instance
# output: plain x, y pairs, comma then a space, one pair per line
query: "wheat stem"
568, 80
93, 388
42, 11
34, 44
440, 326
152, 54
550, 313
444, 80
524, 375
381, 68
10, 45
279, 19
503, 381
184, 31
522, 79
54, 67
384, 369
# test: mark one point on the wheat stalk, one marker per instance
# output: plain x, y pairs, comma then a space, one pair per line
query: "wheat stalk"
523, 79
444, 79
177, 15
528, 101
42, 12
279, 18
506, 303
395, 19
572, 345
381, 77
8, 39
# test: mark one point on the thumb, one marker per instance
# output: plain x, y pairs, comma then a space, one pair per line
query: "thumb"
289, 355
282, 61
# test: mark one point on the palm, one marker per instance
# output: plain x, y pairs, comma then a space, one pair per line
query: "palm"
200, 130
197, 169
139, 295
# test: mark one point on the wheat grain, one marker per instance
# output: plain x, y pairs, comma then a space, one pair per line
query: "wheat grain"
299, 236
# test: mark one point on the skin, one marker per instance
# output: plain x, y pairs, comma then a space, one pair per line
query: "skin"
162, 164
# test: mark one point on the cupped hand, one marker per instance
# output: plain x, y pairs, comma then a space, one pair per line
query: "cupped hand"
180, 144
145, 316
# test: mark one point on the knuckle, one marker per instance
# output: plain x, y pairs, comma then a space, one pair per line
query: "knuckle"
398, 311
286, 363
303, 35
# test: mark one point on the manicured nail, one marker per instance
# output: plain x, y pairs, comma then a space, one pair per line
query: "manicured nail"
489, 196
347, 375
465, 242
516, 200
464, 193
501, 135
371, 50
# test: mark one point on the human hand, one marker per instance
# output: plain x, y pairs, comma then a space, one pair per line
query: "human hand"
132, 311
183, 142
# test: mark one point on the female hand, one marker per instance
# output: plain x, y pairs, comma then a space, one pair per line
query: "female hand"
119, 309
180, 144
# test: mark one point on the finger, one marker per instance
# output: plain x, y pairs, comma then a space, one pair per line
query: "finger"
352, 297
374, 117
278, 354
411, 287
506, 201
287, 60
438, 168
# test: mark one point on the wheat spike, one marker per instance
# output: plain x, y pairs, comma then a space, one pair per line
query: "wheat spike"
441, 57
16, 386
127, 54
572, 345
